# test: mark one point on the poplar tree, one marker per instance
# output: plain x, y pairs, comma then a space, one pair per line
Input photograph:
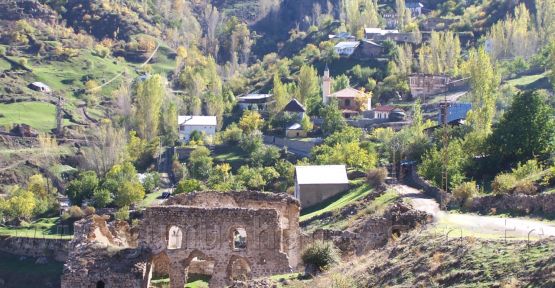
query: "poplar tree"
149, 95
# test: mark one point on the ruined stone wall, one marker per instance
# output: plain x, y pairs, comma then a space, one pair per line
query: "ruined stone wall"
208, 233
543, 204
35, 247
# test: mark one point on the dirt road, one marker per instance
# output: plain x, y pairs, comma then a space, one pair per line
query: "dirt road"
477, 224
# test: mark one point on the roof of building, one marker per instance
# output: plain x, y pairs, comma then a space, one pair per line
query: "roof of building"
385, 108
371, 42
414, 5
40, 85
254, 96
295, 126
321, 174
341, 35
347, 44
197, 120
294, 106
346, 93
379, 31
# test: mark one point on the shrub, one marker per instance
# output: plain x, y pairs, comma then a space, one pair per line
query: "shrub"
122, 214
503, 183
465, 191
188, 186
101, 50
89, 210
75, 212
525, 187
321, 255
531, 167
549, 178
376, 176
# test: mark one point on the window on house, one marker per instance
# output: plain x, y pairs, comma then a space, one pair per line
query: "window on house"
347, 102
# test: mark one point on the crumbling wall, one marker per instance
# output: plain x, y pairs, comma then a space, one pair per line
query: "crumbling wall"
542, 204
35, 247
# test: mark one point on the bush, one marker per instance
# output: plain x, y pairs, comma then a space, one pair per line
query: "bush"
89, 210
376, 176
525, 187
531, 167
75, 212
188, 186
320, 254
122, 214
503, 183
549, 178
465, 191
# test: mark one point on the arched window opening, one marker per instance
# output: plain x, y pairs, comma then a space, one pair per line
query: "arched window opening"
239, 239
175, 238
239, 269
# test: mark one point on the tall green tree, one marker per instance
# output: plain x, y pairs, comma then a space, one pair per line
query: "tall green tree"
281, 96
484, 82
149, 95
307, 84
333, 120
525, 131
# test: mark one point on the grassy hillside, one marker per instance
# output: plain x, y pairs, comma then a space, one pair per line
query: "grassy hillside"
39, 115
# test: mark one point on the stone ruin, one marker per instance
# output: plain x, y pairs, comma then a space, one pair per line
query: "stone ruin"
224, 236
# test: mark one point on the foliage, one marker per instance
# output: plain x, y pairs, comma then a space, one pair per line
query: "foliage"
122, 214
332, 119
308, 91
525, 131
75, 212
250, 121
281, 97
360, 14
320, 254
465, 191
124, 183
376, 177
252, 142
101, 197
264, 156
82, 187
187, 186
503, 183
484, 83
440, 56
149, 94
350, 154
433, 164
200, 163
232, 134
306, 124
150, 182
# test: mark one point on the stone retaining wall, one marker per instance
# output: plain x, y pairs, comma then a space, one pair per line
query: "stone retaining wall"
35, 247
543, 204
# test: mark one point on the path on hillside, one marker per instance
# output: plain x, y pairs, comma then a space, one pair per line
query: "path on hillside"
491, 225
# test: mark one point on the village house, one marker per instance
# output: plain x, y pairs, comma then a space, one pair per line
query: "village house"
346, 48
259, 102
369, 49
378, 34
391, 20
317, 183
415, 8
203, 124
40, 87
297, 109
423, 85
347, 99
452, 112
387, 112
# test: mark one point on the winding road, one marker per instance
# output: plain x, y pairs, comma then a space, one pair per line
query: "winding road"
477, 225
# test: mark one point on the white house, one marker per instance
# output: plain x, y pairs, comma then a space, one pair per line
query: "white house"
317, 183
415, 8
203, 124
346, 48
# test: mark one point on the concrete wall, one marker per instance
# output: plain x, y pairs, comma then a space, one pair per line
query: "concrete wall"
312, 194
35, 247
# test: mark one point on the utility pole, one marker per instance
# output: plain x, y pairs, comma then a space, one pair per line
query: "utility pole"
443, 110
59, 116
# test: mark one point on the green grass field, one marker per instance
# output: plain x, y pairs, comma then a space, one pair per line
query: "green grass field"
26, 274
42, 228
39, 115
230, 154
525, 80
336, 203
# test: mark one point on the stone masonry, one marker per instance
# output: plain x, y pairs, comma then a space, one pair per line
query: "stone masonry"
232, 236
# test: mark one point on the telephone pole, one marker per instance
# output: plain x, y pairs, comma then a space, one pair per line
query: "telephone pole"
59, 116
443, 110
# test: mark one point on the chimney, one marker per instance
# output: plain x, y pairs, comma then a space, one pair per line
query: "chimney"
326, 85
